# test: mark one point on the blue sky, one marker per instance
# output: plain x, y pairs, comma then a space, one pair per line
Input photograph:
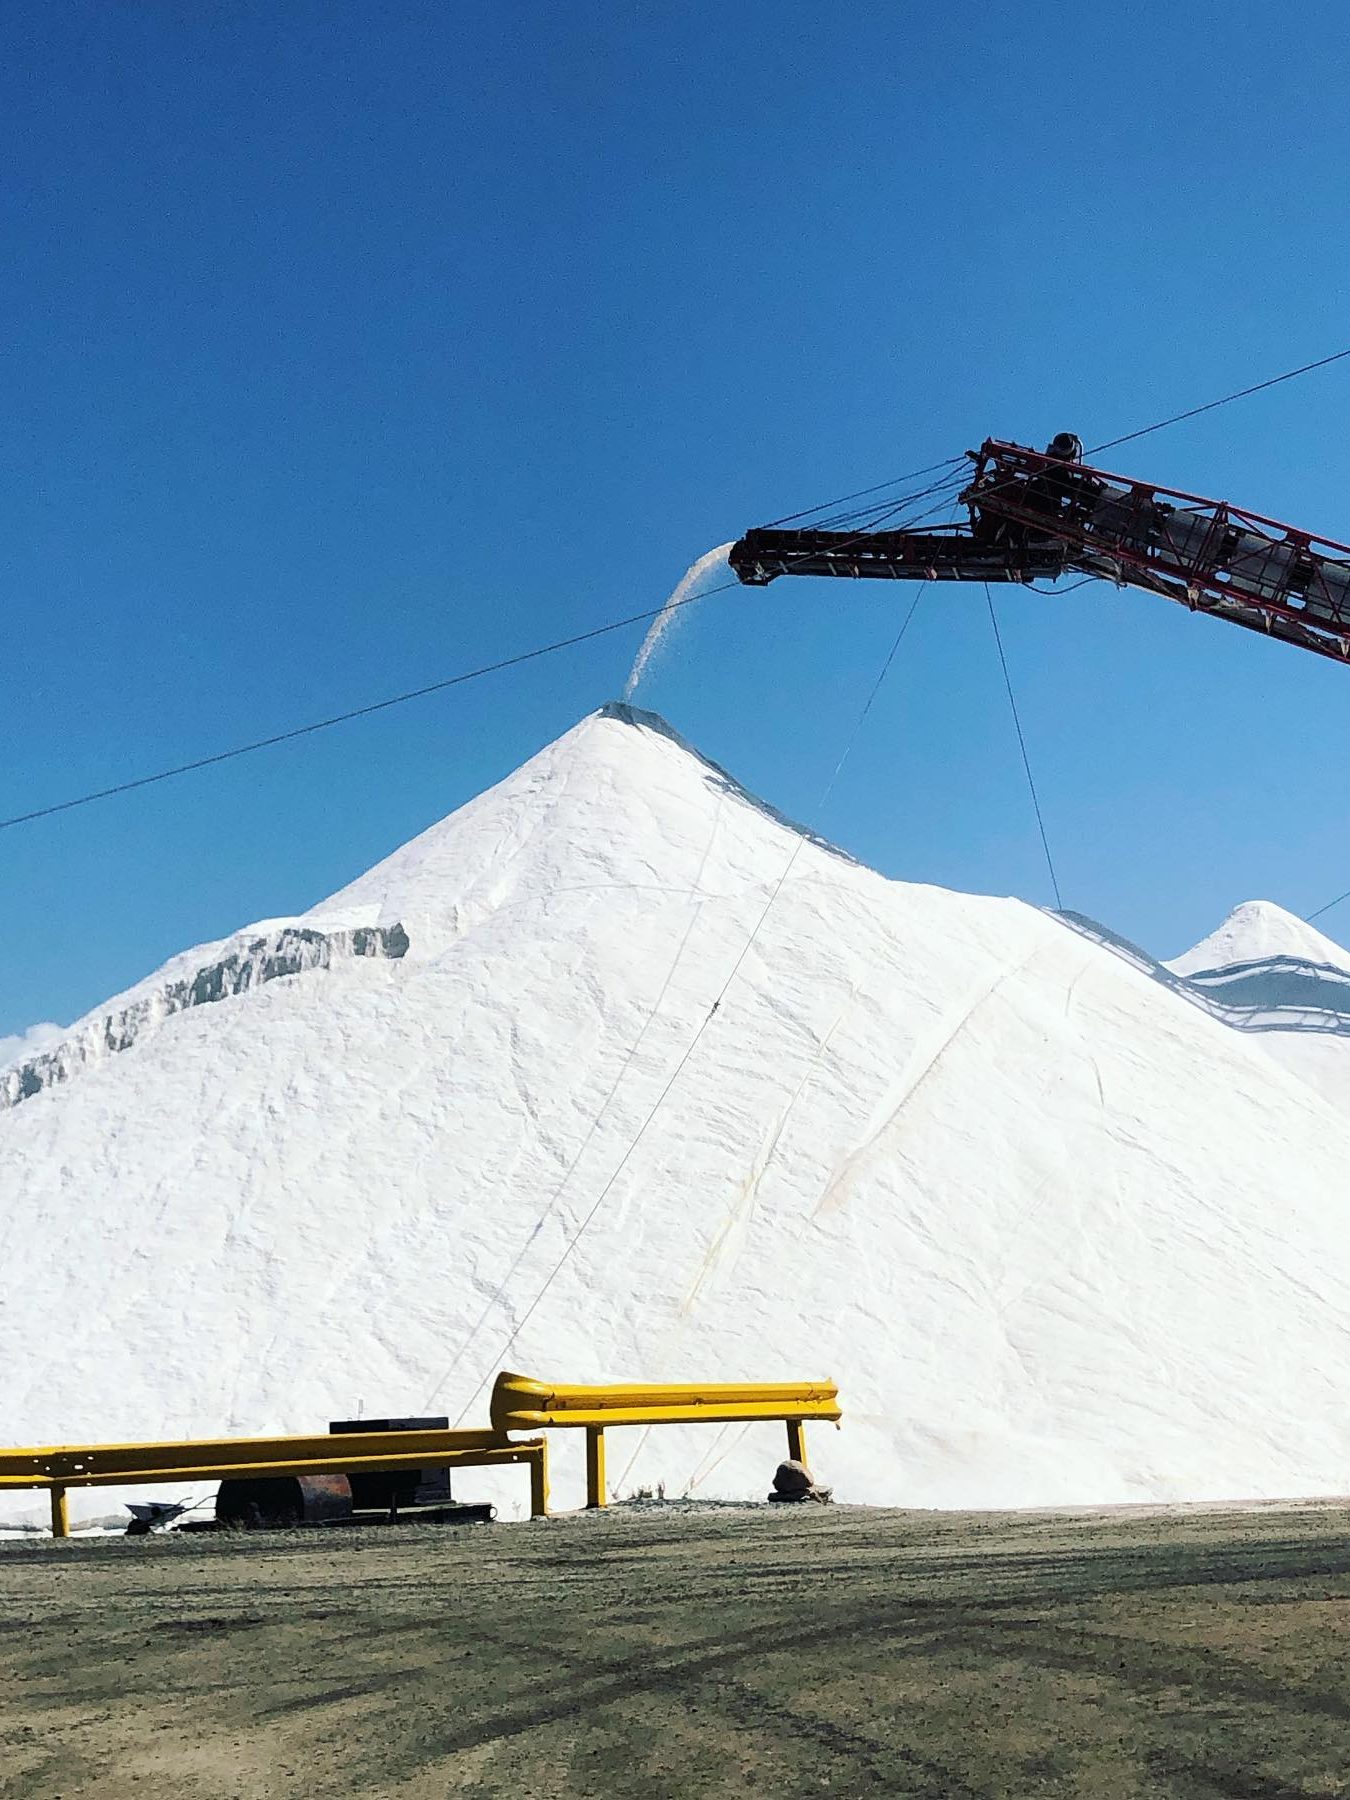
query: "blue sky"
346, 346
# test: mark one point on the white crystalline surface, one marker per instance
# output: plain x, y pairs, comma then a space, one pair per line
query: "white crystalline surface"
29, 1043
214, 972
1060, 1235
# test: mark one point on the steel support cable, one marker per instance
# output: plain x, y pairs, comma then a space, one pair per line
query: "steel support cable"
703, 1468
1022, 745
894, 518
628, 1060
561, 1186
949, 483
375, 706
704, 1023
1309, 917
1194, 412
1110, 443
859, 493
1176, 419
1127, 437
865, 518
1058, 593
894, 515
359, 712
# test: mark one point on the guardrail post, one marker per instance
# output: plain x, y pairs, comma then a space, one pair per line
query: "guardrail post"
595, 1466
539, 1483
60, 1513
796, 1440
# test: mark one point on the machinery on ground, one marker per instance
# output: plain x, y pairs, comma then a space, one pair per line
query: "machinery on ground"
1037, 515
360, 1497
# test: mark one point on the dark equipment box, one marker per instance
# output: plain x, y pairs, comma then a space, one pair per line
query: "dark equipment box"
390, 1490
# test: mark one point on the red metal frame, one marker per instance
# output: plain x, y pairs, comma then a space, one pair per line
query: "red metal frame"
993, 447
1209, 555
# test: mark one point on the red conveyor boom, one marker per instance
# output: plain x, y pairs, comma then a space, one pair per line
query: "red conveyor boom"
1035, 517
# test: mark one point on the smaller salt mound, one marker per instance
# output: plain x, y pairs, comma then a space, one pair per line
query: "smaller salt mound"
1293, 983
1254, 932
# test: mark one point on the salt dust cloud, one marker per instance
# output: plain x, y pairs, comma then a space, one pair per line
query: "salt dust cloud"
691, 582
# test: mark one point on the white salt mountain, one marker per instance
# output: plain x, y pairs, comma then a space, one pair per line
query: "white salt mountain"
1060, 1233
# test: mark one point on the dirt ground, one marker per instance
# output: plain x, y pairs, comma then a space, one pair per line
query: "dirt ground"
668, 1653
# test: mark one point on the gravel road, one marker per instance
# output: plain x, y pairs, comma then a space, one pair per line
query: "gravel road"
671, 1652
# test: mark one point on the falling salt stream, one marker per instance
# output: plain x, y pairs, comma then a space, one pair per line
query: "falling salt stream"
687, 588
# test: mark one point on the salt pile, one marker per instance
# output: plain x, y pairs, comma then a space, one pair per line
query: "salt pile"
1060, 1234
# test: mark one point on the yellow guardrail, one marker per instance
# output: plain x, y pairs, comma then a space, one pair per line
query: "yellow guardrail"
520, 1404
57, 1467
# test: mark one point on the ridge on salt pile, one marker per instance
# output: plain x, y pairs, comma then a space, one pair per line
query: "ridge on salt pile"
262, 953
1060, 1236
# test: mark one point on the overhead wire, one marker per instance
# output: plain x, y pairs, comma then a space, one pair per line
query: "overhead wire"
1309, 917
704, 1467
360, 712
485, 1314
1126, 437
706, 1020
884, 507
948, 484
858, 494
1109, 444
565, 1179
1058, 592
1194, 412
1022, 745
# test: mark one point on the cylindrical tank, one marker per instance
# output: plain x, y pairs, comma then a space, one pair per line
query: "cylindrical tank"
1262, 565
1328, 595
261, 1502
1127, 520
1186, 536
